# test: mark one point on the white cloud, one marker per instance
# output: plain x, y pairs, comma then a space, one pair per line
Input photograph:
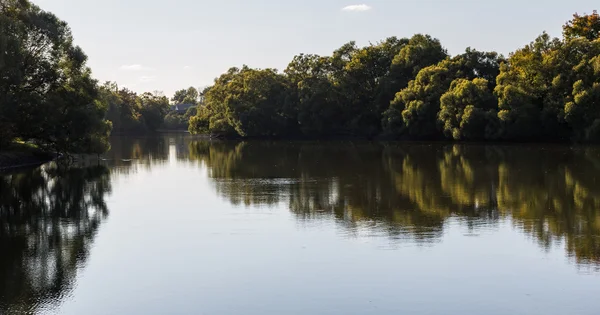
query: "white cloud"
147, 78
136, 68
357, 8
187, 68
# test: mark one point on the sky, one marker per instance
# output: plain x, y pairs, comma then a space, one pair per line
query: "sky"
150, 45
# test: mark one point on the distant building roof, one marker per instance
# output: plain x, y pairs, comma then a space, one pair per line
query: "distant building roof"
181, 107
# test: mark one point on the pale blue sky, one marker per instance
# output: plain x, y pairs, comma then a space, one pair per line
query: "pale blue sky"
151, 45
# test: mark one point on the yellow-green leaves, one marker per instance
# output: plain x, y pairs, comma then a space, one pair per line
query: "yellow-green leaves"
585, 26
465, 109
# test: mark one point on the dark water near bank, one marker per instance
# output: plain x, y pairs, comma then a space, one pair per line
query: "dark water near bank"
177, 225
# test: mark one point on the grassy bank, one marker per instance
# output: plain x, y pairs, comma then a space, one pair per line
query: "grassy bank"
23, 154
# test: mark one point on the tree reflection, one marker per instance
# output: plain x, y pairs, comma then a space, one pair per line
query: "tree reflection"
413, 190
554, 195
130, 154
49, 216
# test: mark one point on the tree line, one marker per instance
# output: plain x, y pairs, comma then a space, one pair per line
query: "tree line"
411, 88
133, 113
49, 97
408, 88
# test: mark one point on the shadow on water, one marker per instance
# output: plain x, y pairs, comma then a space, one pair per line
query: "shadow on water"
413, 191
49, 217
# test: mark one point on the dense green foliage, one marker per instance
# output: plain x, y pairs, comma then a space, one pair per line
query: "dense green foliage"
186, 96
133, 113
47, 94
407, 88
179, 121
176, 120
412, 89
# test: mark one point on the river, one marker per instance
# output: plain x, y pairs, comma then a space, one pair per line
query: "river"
174, 224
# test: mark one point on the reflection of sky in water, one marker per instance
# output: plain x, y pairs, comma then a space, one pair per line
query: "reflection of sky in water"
335, 229
220, 259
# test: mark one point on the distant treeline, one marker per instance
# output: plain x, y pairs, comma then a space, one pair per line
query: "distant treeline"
132, 113
412, 89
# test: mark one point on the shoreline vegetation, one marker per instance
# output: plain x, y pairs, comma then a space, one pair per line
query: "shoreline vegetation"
396, 89
412, 89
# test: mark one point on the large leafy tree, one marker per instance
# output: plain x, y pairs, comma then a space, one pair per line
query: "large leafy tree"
466, 110
154, 109
583, 26
212, 118
124, 108
363, 83
582, 106
420, 51
414, 110
548, 89
316, 99
248, 102
186, 96
47, 93
522, 88
367, 78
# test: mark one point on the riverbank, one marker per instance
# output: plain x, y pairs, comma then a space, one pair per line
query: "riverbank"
23, 155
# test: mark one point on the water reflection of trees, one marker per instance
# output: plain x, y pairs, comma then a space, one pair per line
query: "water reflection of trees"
412, 190
49, 217
129, 154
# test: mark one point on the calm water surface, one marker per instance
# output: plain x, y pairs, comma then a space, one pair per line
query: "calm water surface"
177, 225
